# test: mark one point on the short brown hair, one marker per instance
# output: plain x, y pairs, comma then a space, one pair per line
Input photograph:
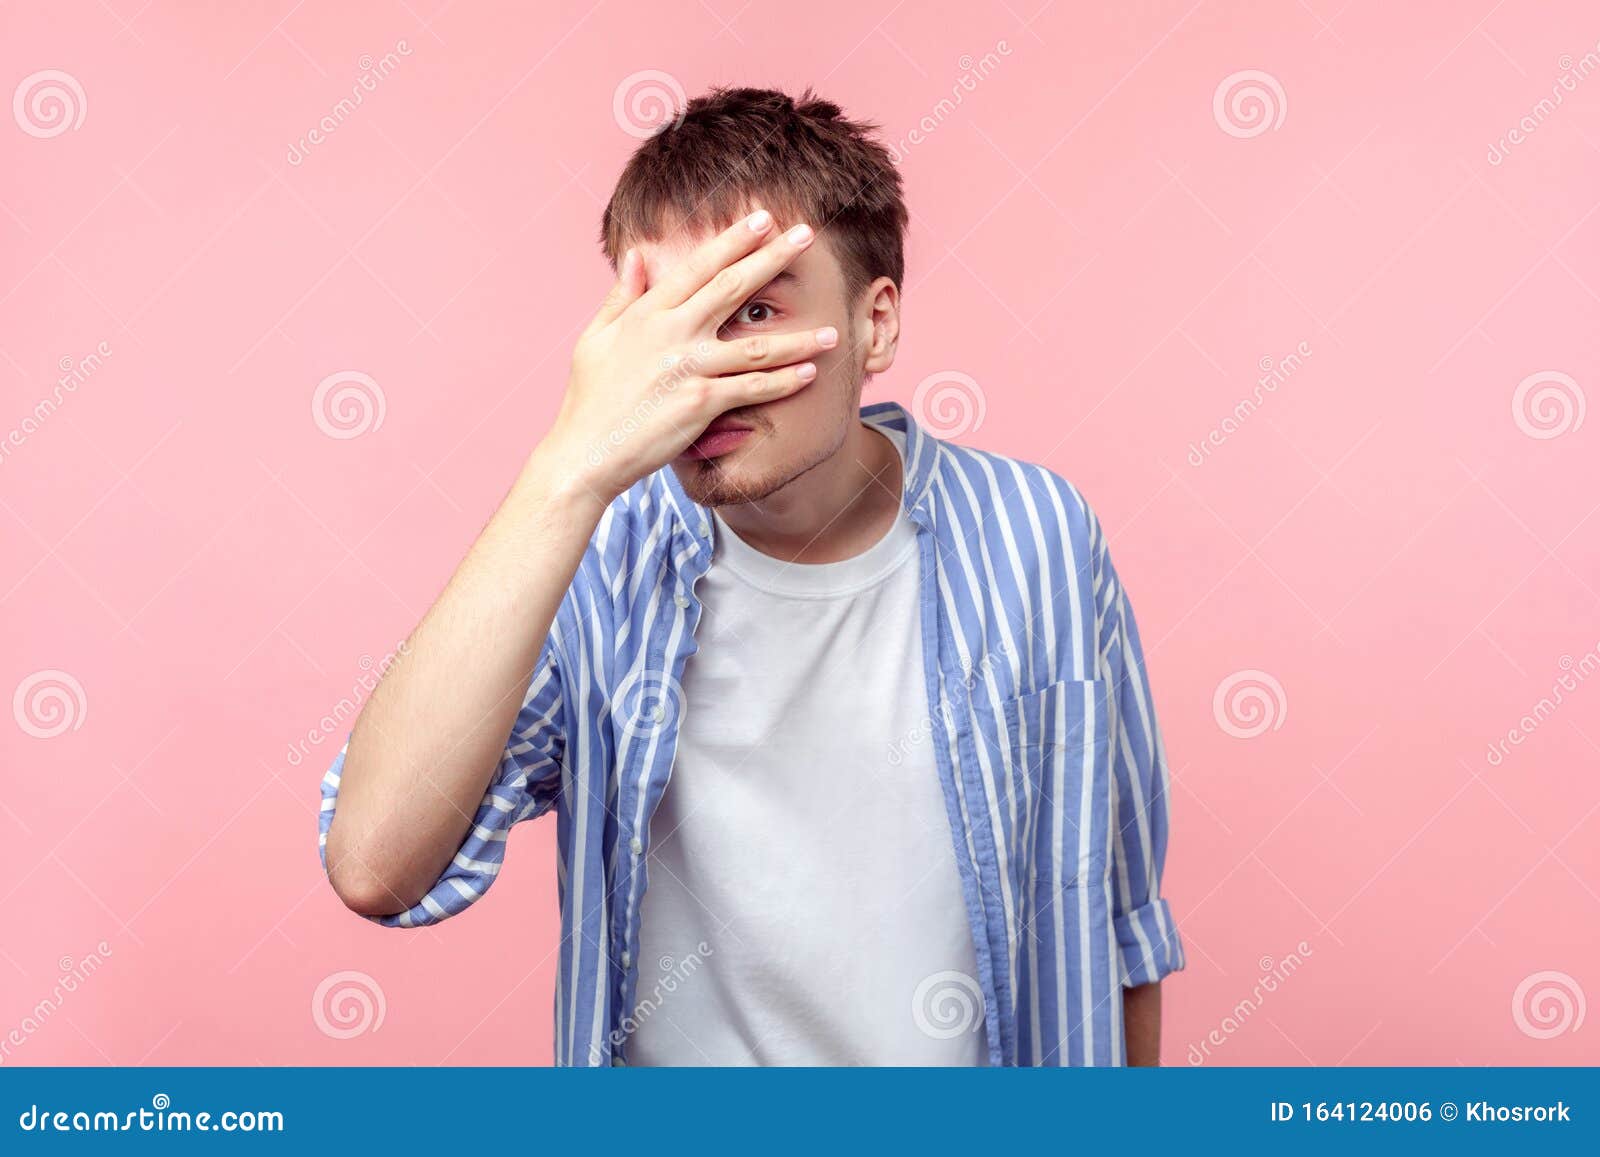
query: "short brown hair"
738, 148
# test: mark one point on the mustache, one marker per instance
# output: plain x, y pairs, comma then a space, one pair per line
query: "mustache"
750, 416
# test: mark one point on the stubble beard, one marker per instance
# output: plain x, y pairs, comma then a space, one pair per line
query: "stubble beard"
714, 483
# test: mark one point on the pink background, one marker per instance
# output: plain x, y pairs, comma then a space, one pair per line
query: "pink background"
1408, 554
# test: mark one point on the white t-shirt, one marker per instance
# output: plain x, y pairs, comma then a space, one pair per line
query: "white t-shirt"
804, 906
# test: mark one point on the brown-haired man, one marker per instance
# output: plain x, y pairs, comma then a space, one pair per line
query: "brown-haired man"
866, 711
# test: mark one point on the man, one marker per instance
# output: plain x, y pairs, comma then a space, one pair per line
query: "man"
846, 729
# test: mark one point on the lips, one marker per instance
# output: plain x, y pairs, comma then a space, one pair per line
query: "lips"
719, 438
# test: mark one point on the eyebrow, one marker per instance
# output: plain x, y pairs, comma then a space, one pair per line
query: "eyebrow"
783, 277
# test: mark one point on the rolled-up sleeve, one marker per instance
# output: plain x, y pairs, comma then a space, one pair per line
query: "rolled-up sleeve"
1146, 933
526, 784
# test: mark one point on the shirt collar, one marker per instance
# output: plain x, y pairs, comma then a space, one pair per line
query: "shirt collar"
921, 450
693, 522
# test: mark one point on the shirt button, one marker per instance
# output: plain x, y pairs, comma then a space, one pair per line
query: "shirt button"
636, 845
627, 959
683, 603
659, 714
618, 1063
705, 530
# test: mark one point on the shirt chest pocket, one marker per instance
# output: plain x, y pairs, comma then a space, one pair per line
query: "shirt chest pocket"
1059, 744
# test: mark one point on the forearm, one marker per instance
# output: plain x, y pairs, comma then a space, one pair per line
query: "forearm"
1141, 1019
426, 744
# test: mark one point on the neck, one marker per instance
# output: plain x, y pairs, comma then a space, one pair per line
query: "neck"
833, 511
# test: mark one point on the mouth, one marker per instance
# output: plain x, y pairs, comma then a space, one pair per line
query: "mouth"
721, 437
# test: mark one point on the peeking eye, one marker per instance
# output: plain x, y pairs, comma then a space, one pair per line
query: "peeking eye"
753, 313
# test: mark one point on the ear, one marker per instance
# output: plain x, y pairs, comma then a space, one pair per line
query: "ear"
880, 312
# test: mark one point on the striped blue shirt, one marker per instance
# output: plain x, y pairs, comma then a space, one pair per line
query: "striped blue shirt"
1049, 754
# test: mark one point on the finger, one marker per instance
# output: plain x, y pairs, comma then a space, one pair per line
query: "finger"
709, 259
624, 291
765, 351
717, 300
762, 386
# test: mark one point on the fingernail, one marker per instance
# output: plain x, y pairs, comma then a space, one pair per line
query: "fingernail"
799, 235
759, 221
827, 337
806, 372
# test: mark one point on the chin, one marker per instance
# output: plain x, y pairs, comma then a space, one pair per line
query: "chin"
737, 478
718, 482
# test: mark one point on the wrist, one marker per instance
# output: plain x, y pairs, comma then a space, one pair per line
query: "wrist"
567, 478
